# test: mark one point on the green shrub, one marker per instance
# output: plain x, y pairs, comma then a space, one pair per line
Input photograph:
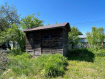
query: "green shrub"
20, 63
16, 52
100, 53
45, 65
81, 55
53, 65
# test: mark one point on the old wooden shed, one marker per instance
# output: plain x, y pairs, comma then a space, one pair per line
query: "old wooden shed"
48, 39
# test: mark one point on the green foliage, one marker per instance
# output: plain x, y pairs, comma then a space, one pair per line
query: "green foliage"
85, 63
47, 24
96, 37
56, 22
3, 24
100, 53
86, 54
44, 65
15, 52
31, 21
13, 34
8, 15
81, 54
20, 64
82, 63
80, 33
73, 36
53, 64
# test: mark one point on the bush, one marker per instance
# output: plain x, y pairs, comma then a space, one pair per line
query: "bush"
16, 52
44, 65
53, 65
20, 64
100, 53
81, 54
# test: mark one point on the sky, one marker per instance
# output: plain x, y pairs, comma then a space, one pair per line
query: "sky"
82, 14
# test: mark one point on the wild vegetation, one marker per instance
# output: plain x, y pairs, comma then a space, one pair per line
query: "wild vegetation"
87, 63
80, 63
23, 64
96, 37
73, 36
12, 26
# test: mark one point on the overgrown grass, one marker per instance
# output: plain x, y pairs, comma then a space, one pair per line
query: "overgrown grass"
43, 66
81, 55
52, 65
82, 64
85, 64
16, 52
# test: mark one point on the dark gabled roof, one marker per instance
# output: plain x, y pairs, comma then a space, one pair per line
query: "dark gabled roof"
67, 25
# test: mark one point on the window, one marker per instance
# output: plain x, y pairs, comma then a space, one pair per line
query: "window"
47, 37
31, 38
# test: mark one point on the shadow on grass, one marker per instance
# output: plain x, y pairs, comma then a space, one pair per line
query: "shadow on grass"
81, 55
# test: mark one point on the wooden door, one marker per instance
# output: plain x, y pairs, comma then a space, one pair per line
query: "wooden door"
37, 43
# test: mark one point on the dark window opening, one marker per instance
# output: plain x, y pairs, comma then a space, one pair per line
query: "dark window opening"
47, 37
31, 38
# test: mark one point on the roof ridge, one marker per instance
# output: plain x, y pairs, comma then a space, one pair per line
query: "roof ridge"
49, 26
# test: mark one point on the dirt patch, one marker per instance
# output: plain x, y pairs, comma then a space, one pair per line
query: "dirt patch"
9, 70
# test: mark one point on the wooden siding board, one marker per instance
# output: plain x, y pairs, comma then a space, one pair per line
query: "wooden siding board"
65, 41
55, 41
52, 51
52, 45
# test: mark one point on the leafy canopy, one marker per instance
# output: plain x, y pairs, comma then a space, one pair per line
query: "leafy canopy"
8, 16
73, 35
13, 34
96, 37
31, 21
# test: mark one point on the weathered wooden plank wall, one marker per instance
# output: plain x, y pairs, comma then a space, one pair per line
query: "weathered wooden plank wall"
47, 41
54, 43
65, 41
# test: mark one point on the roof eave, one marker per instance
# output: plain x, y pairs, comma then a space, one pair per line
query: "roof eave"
44, 27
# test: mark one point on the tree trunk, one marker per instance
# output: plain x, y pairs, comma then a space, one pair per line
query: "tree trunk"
102, 44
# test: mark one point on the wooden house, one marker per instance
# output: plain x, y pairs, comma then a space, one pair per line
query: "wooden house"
48, 39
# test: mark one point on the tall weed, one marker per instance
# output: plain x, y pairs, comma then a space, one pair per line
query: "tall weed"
53, 65
44, 65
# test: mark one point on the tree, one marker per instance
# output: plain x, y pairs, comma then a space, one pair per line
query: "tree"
96, 37
77, 30
3, 24
47, 24
73, 36
9, 15
31, 21
14, 34
80, 33
56, 22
